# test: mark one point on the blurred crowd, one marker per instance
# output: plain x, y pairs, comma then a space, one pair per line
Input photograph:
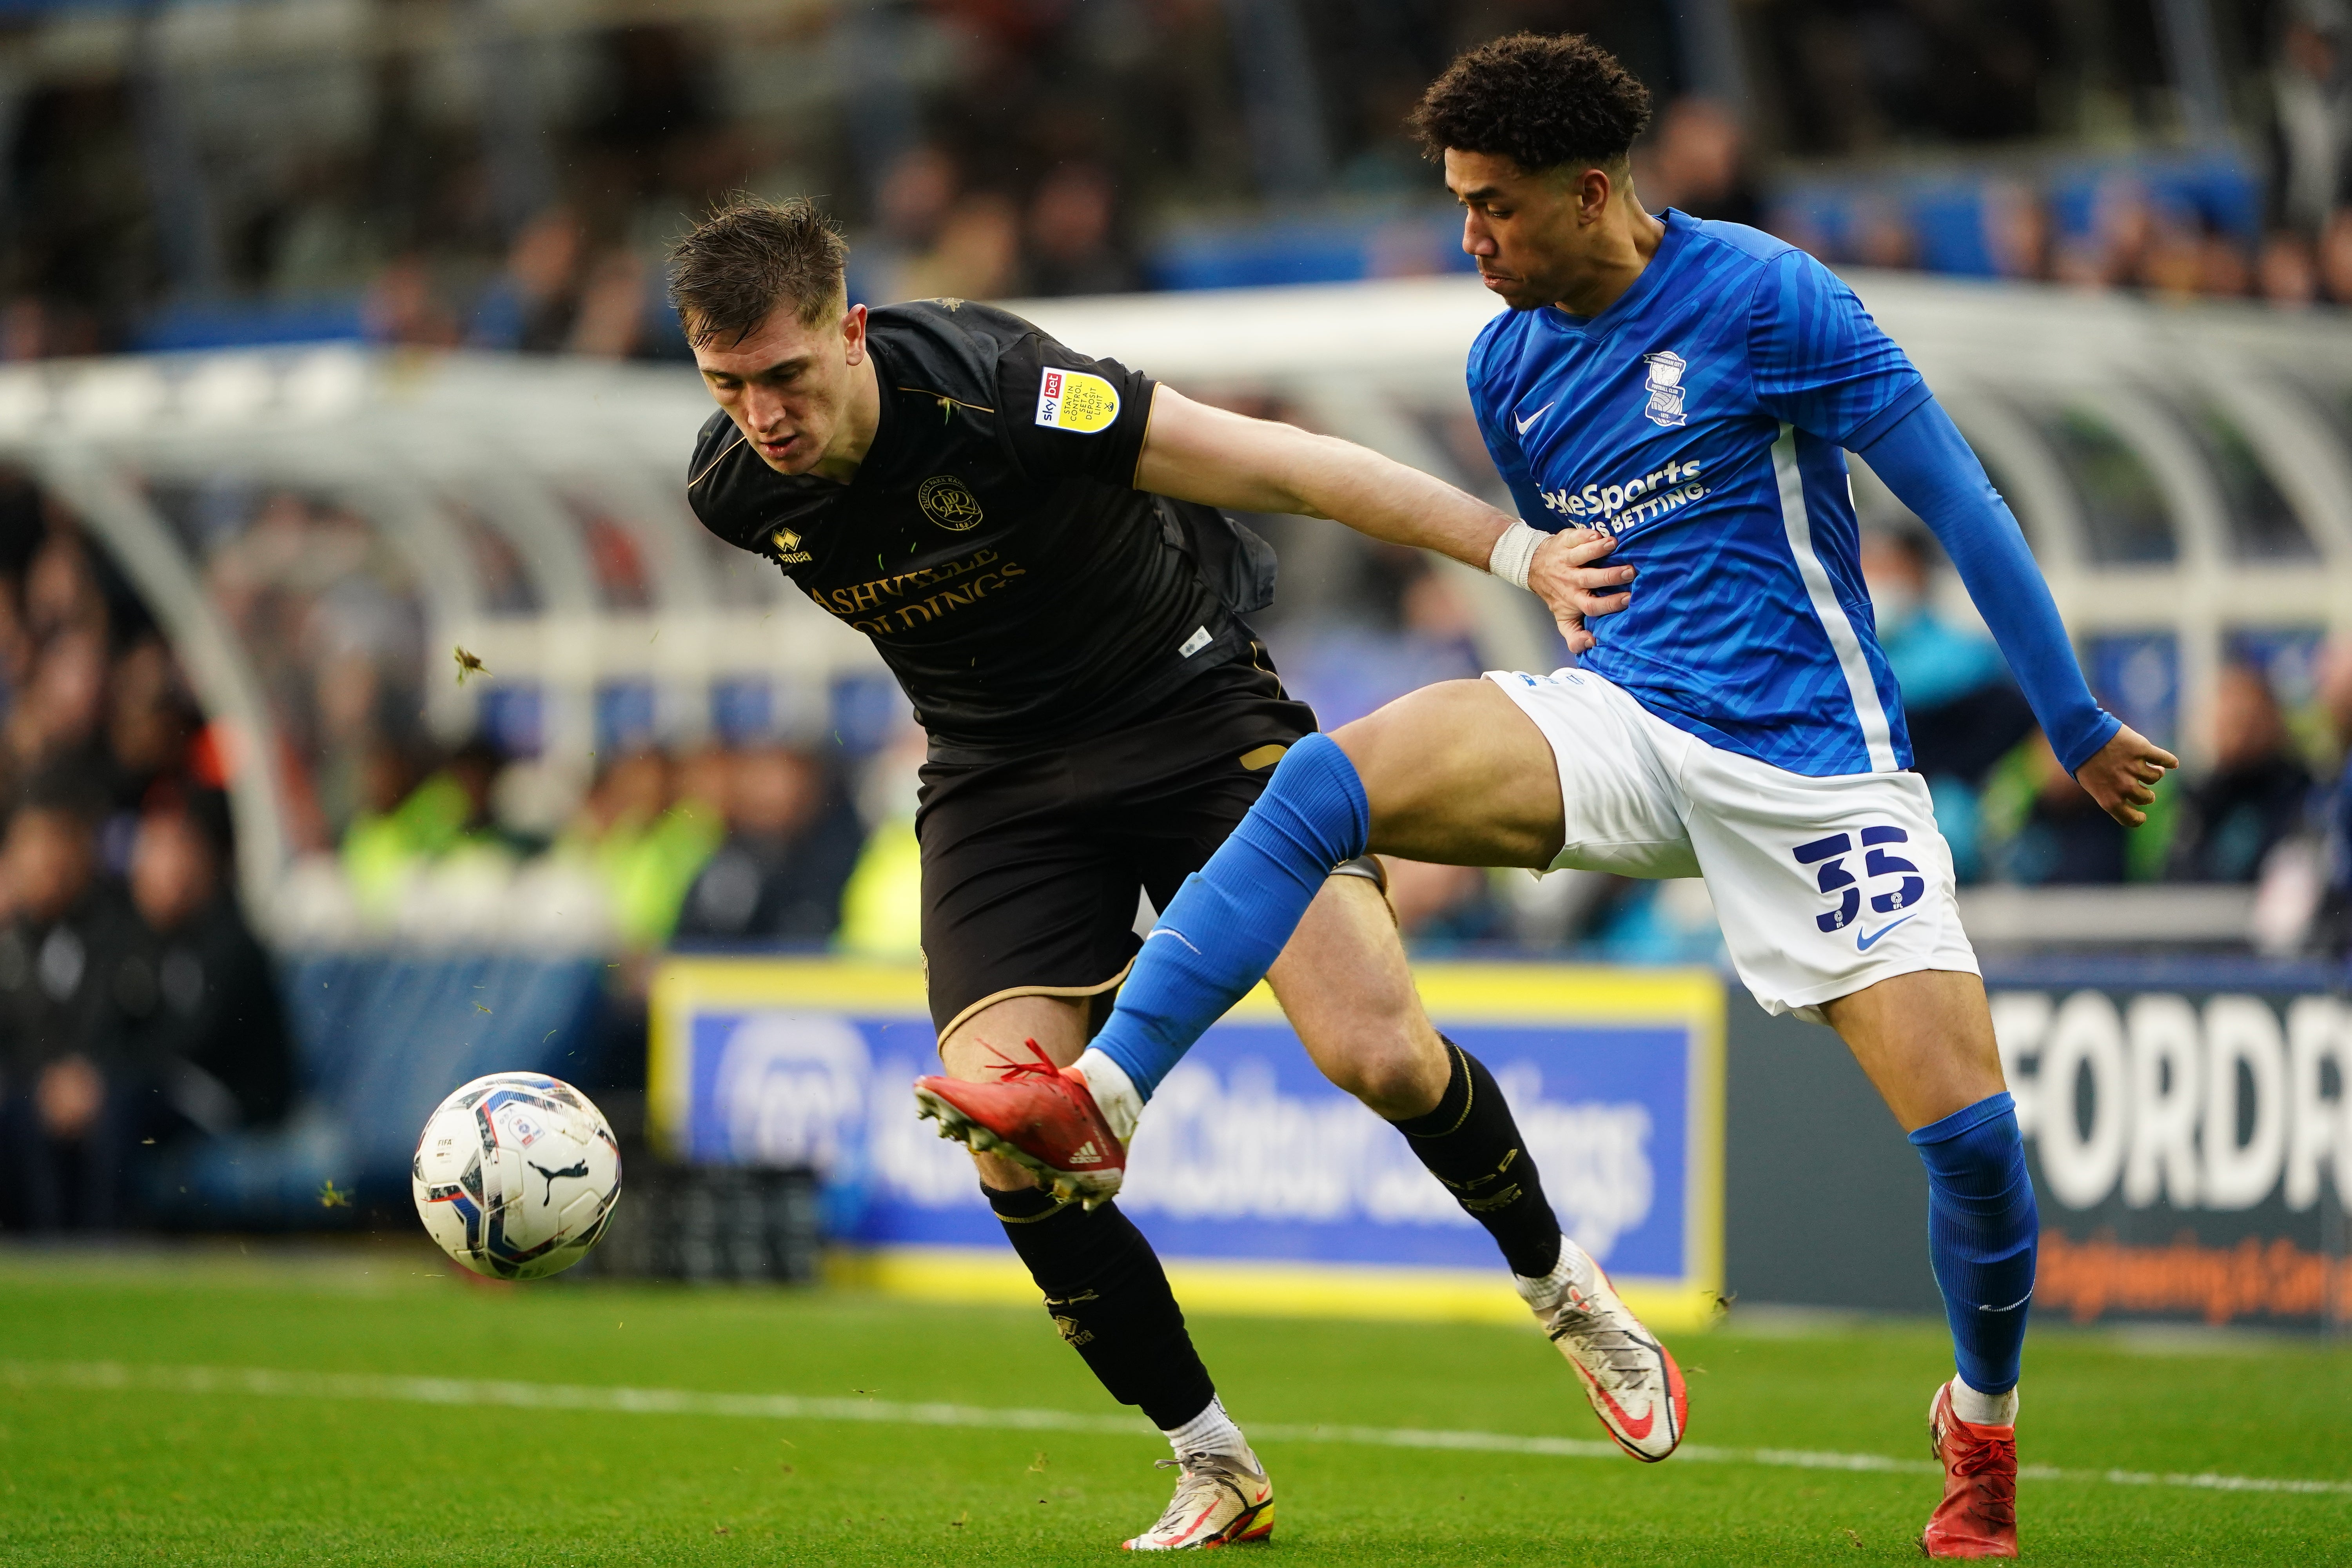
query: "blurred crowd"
137, 1009
1001, 215
935, 233
516, 189
2276, 228
744, 845
945, 222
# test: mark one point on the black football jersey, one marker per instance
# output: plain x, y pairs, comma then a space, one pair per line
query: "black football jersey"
992, 543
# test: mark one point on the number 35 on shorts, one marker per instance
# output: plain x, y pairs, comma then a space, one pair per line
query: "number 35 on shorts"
1878, 865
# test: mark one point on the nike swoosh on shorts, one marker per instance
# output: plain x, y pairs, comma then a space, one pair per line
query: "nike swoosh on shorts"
1864, 944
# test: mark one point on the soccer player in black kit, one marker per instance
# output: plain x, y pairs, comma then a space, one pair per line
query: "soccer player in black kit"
1031, 540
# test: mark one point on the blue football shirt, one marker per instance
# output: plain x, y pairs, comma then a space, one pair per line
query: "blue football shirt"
1703, 418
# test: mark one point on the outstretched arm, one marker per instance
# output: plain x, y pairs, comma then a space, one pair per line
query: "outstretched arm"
1931, 469
1197, 453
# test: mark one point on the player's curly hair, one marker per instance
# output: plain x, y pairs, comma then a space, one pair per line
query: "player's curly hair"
1540, 101
734, 267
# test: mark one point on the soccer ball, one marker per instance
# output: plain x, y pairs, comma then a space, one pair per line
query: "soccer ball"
516, 1176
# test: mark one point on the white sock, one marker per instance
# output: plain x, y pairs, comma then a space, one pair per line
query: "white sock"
1983, 1409
1544, 1294
1115, 1093
1211, 1432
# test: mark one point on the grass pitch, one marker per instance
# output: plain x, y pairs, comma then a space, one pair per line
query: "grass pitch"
146, 1475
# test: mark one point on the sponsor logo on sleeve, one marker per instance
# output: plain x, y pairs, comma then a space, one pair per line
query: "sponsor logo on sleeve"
1664, 386
1073, 400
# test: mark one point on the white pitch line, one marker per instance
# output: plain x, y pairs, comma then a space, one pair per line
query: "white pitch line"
267, 1383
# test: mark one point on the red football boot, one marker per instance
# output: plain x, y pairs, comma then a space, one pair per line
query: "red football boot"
1977, 1517
1036, 1115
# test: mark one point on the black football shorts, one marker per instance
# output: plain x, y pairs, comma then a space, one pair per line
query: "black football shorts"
1031, 863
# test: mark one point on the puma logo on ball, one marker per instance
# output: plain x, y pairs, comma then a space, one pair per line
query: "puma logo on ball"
579, 1170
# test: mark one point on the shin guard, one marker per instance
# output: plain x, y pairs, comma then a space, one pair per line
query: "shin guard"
1982, 1231
1471, 1145
1230, 920
1111, 1302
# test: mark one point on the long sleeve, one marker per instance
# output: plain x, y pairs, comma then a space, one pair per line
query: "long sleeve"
1925, 460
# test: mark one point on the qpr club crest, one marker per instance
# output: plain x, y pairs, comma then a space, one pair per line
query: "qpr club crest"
1664, 386
945, 501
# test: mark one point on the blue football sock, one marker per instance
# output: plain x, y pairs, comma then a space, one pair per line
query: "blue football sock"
1982, 1231
1228, 923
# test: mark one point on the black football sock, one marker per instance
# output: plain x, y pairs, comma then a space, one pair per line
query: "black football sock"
1471, 1145
1111, 1300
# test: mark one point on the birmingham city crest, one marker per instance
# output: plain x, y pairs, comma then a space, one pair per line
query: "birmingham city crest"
1664, 386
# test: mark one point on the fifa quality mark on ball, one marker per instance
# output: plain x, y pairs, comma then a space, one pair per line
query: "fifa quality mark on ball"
516, 1176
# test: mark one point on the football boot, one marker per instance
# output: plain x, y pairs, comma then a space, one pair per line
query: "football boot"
1977, 1517
1040, 1116
1630, 1378
1220, 1501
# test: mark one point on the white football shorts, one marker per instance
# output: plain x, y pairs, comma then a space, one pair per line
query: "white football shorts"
1822, 886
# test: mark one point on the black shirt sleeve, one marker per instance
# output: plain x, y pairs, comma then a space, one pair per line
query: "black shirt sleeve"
1065, 414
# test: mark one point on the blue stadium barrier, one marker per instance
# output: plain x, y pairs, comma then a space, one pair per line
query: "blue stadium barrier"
1950, 220
380, 1039
240, 323
25, 10
1945, 208
1340, 249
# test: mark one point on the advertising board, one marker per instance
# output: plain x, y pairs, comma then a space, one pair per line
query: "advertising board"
2191, 1146
1263, 1187
2186, 1125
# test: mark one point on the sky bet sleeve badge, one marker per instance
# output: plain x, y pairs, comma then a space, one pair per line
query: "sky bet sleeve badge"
1073, 400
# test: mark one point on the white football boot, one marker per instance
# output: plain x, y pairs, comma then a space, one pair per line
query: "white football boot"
1630, 1378
1220, 1501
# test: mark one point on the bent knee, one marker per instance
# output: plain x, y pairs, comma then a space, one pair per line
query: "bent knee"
1457, 773
1397, 1076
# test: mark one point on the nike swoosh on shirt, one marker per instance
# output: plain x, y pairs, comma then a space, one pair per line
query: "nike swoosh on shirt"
1864, 944
1531, 418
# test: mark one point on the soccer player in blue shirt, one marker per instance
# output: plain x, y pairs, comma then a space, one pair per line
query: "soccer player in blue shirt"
1685, 391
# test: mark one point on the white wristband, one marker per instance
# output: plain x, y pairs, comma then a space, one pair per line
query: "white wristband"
1514, 551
